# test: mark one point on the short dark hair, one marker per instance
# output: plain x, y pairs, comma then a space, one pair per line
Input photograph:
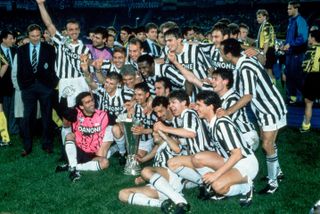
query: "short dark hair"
294, 4
73, 21
160, 100
119, 50
173, 32
111, 28
226, 74
5, 33
33, 27
209, 98
114, 76
185, 30
135, 41
140, 29
315, 34
243, 25
150, 26
80, 96
142, 86
180, 95
126, 28
146, 58
234, 28
165, 82
101, 30
225, 21
231, 46
223, 28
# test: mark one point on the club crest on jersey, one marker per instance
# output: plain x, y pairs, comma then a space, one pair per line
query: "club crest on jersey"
81, 119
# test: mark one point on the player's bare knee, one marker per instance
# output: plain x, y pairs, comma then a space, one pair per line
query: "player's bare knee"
124, 195
147, 173
173, 164
116, 131
197, 161
70, 137
104, 163
218, 187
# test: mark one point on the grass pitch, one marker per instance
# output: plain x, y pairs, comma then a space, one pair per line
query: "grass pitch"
30, 185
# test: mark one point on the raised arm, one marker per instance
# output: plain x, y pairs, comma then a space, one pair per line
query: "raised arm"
46, 17
190, 77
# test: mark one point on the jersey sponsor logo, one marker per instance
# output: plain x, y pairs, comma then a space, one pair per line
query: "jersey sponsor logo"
89, 130
71, 54
224, 65
113, 109
188, 66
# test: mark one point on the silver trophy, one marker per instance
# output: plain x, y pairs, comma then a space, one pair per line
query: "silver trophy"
132, 166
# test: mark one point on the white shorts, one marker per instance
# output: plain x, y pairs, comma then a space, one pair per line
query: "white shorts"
71, 87
108, 136
252, 138
248, 166
175, 182
146, 145
278, 125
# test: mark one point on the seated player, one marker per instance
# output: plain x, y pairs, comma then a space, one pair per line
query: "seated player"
190, 132
163, 183
86, 147
230, 169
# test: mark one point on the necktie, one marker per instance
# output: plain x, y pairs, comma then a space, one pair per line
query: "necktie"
34, 61
8, 56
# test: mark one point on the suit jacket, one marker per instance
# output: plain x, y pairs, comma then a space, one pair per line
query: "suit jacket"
45, 68
5, 81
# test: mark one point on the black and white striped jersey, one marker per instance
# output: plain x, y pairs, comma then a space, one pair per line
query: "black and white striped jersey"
267, 103
189, 120
164, 153
128, 93
153, 49
147, 120
68, 57
166, 70
215, 58
227, 137
114, 105
240, 117
108, 66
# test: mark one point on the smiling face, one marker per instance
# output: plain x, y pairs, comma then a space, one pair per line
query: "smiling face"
73, 31
34, 36
134, 51
203, 110
98, 41
219, 85
172, 43
141, 96
161, 112
87, 105
146, 69
217, 38
176, 106
129, 80
118, 59
111, 86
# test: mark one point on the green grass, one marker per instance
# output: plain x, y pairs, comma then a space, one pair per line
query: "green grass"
29, 185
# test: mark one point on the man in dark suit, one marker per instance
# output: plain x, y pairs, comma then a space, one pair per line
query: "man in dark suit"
37, 79
8, 52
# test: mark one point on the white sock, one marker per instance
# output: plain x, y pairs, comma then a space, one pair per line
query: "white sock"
143, 200
64, 132
89, 166
189, 185
272, 166
121, 145
189, 174
113, 149
279, 170
71, 152
204, 170
163, 186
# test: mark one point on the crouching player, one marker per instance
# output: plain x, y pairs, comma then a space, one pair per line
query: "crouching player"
233, 166
163, 183
86, 146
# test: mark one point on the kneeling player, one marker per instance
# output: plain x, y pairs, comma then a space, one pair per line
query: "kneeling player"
87, 146
233, 166
163, 183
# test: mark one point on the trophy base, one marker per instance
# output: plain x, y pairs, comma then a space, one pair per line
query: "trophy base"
132, 166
